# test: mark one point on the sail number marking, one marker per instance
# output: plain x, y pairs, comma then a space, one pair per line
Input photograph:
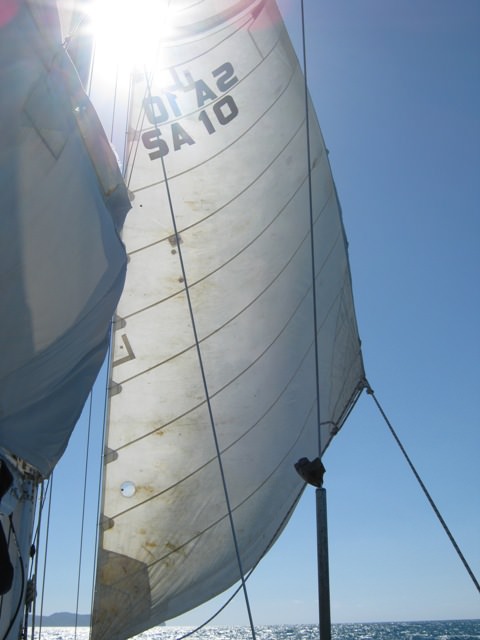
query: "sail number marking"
160, 109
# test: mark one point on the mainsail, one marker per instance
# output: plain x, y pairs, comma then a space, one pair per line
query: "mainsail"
62, 263
214, 347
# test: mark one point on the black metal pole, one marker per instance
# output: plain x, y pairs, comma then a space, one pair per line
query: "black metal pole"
325, 630
311, 471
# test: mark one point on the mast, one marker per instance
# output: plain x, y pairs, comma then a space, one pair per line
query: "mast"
312, 473
325, 627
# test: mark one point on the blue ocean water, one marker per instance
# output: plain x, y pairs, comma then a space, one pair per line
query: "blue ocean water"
434, 630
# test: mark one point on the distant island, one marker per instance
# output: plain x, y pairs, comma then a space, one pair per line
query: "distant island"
63, 619
66, 619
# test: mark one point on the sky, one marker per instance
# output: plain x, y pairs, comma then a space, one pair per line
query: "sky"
397, 91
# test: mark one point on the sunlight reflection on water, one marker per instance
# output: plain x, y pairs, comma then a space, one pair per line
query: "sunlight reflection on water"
435, 630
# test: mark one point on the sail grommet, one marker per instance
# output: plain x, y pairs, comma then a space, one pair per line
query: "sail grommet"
128, 489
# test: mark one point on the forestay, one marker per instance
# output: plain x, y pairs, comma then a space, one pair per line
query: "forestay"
220, 251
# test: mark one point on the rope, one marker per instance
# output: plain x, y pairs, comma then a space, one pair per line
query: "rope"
425, 491
100, 470
114, 103
49, 489
105, 392
218, 612
209, 407
312, 242
205, 387
34, 569
82, 527
234, 594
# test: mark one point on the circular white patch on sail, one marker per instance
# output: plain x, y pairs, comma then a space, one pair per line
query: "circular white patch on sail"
128, 489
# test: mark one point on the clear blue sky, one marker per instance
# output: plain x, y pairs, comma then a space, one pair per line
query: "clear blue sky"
397, 90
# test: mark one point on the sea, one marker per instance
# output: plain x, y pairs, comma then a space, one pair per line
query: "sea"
433, 630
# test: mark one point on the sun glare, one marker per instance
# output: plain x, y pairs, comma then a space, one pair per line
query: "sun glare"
129, 33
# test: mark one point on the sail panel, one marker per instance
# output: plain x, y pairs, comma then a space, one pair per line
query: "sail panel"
216, 322
63, 202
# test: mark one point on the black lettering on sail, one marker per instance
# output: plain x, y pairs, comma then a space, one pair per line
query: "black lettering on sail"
155, 109
204, 92
226, 80
152, 140
180, 136
126, 348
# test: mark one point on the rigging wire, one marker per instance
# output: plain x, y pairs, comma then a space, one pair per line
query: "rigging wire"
114, 102
82, 526
102, 448
205, 385
238, 589
34, 567
424, 489
111, 117
310, 205
218, 612
36, 542
209, 407
49, 490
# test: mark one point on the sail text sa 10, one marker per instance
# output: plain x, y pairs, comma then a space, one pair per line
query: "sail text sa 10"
183, 97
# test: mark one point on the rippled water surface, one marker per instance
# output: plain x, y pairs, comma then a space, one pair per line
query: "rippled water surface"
435, 630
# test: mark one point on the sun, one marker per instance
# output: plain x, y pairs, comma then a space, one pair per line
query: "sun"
129, 34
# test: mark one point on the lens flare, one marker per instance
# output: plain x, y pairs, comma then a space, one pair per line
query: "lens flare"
129, 34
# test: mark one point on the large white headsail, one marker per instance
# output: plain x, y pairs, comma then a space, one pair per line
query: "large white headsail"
62, 264
224, 114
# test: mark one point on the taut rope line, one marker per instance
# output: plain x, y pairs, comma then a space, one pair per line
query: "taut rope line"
425, 491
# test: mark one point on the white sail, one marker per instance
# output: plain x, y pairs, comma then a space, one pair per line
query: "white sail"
62, 268
215, 334
62, 263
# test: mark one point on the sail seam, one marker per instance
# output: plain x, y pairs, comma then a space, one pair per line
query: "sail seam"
241, 193
266, 412
222, 518
231, 319
337, 424
282, 210
186, 62
142, 116
207, 396
231, 143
